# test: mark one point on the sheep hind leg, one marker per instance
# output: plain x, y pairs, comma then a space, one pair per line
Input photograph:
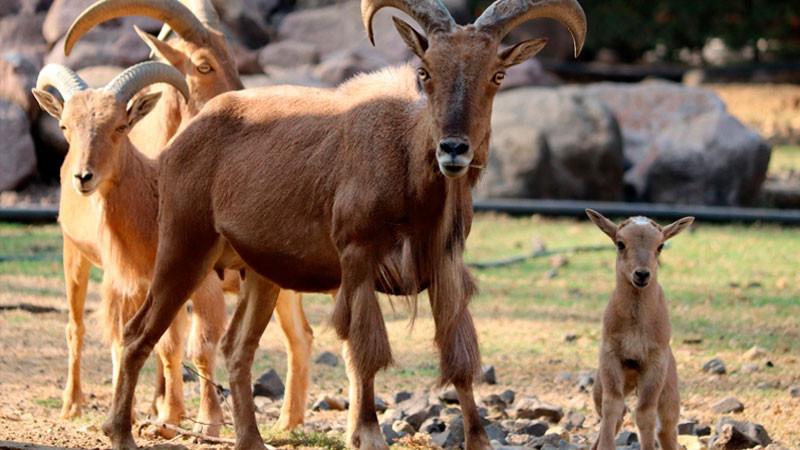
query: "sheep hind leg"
208, 326
299, 338
257, 297
169, 351
669, 409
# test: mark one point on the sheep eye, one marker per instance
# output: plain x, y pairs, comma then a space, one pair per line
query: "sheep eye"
423, 74
121, 129
63, 128
204, 68
498, 78
620, 245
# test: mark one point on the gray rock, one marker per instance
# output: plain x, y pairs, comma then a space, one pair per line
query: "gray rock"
320, 405
17, 152
494, 401
268, 384
586, 380
447, 439
287, 54
731, 434
488, 375
496, 433
552, 439
569, 337
18, 74
535, 428
245, 20
563, 378
380, 405
794, 391
401, 396
432, 425
727, 405
528, 73
101, 46
532, 408
415, 410
702, 430
508, 396
573, 151
686, 427
327, 359
750, 367
403, 426
449, 397
714, 365
682, 146
22, 34
389, 434
626, 438
574, 421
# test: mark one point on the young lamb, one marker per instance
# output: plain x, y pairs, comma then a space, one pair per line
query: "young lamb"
635, 351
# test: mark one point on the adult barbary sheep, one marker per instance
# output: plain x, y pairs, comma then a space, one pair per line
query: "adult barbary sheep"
363, 187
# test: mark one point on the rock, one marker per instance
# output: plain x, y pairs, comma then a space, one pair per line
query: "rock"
574, 421
63, 12
574, 151
626, 438
450, 411
327, 359
494, 401
682, 146
389, 434
448, 397
529, 73
534, 428
496, 433
188, 376
552, 439
17, 77
508, 396
488, 375
320, 405
727, 405
401, 396
733, 435
262, 403
332, 403
532, 408
570, 337
750, 367
380, 405
764, 385
17, 152
755, 353
563, 378
446, 439
268, 384
101, 46
415, 410
247, 19
586, 380
686, 427
702, 430
338, 67
22, 34
715, 366
287, 54
403, 426
432, 425
794, 391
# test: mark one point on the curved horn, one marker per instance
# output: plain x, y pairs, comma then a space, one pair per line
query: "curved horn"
205, 11
125, 85
503, 15
62, 79
431, 14
177, 16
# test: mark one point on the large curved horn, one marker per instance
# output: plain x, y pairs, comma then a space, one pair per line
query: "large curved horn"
503, 15
205, 11
177, 16
431, 14
125, 85
62, 79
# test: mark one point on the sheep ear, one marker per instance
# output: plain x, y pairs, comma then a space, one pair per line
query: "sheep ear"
415, 41
141, 106
606, 226
676, 227
160, 48
521, 52
49, 102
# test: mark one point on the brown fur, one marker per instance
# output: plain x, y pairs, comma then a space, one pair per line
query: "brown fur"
635, 351
314, 190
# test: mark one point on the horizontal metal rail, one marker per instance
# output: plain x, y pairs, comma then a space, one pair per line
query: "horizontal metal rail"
527, 207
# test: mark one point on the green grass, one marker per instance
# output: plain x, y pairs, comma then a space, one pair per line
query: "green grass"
784, 161
49, 402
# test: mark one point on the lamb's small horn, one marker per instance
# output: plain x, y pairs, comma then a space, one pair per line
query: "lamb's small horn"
431, 14
503, 15
125, 85
173, 13
63, 79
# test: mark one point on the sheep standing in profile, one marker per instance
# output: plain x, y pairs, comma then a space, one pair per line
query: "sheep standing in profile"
635, 351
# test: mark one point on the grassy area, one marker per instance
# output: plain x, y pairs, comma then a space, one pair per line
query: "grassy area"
785, 161
729, 287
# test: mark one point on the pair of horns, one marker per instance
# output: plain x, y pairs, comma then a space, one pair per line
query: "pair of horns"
189, 20
124, 86
499, 19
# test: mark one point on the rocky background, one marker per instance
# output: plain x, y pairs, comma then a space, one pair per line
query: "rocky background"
653, 141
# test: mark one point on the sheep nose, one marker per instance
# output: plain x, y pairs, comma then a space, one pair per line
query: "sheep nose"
84, 177
453, 147
642, 275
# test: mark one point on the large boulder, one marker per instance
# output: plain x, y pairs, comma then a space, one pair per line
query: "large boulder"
17, 77
682, 146
17, 153
102, 46
553, 143
22, 33
247, 19
63, 12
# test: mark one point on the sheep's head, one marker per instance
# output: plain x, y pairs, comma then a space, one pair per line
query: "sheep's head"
96, 122
201, 52
462, 68
639, 242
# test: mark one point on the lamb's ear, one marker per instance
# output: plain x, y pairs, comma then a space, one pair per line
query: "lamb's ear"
522, 51
415, 41
160, 48
606, 226
141, 106
49, 102
676, 227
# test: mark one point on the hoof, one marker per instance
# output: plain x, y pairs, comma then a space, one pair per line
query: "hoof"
120, 440
208, 430
250, 443
70, 410
367, 437
286, 424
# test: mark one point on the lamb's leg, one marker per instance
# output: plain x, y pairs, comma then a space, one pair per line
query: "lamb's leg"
169, 351
208, 325
179, 269
669, 408
298, 338
612, 380
257, 297
76, 277
649, 387
358, 321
